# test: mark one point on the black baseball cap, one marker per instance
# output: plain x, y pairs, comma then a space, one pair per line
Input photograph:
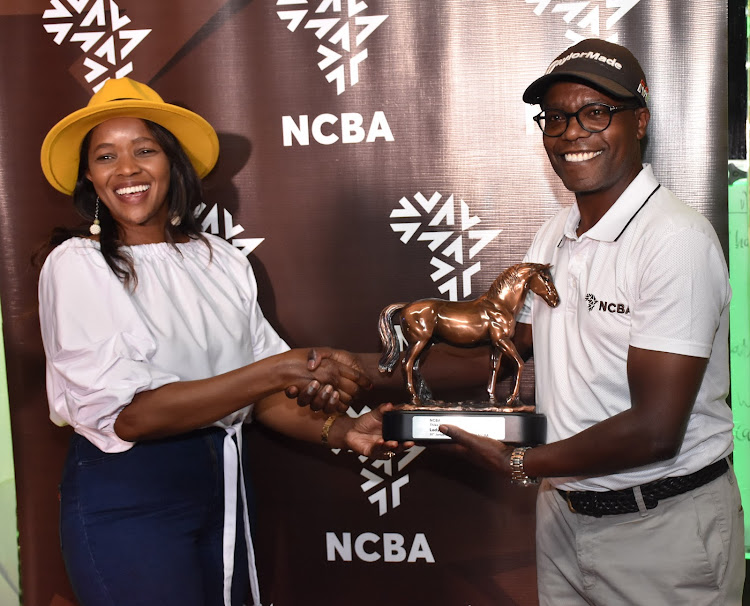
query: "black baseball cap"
604, 65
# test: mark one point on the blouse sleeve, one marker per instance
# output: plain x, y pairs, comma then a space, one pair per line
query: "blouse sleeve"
266, 341
96, 345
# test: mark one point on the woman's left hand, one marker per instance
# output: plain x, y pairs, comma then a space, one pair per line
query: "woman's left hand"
365, 436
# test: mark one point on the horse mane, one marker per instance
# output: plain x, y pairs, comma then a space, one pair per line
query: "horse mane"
509, 277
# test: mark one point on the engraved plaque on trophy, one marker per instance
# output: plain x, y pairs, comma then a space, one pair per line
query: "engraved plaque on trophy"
487, 320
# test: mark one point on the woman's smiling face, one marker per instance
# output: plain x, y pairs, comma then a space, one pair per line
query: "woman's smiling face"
130, 173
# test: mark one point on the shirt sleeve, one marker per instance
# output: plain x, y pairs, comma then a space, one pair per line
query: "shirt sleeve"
680, 294
266, 341
97, 347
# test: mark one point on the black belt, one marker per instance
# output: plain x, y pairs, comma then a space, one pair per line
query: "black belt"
598, 504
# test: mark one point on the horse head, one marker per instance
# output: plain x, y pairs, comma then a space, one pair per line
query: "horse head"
540, 283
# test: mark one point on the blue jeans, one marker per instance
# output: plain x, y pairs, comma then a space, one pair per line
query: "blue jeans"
144, 527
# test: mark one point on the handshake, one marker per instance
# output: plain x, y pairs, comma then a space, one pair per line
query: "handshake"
327, 379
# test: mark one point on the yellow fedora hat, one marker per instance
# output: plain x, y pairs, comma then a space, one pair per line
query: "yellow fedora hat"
123, 97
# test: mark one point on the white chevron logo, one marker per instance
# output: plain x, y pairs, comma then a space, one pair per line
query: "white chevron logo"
341, 28
450, 233
588, 18
224, 226
383, 480
99, 29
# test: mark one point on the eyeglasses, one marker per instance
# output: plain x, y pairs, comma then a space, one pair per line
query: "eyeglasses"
593, 118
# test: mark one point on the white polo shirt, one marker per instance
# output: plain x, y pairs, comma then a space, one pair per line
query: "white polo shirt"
651, 274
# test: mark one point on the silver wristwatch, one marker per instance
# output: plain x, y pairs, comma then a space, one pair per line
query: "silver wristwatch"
517, 474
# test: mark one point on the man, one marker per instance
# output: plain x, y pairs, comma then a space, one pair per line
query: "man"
637, 504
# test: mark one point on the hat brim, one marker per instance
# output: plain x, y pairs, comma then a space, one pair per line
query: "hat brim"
61, 149
534, 93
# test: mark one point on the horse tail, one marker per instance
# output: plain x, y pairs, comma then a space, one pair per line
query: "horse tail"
389, 338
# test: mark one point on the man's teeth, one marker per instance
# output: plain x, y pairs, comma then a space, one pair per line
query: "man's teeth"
132, 190
581, 156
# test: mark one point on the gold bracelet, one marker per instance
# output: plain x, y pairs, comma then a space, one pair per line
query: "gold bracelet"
327, 429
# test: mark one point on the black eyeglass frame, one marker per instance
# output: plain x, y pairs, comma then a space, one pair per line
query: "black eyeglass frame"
613, 109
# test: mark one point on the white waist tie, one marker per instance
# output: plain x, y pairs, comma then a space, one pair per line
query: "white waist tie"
232, 474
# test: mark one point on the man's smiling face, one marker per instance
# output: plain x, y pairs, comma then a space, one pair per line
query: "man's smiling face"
601, 162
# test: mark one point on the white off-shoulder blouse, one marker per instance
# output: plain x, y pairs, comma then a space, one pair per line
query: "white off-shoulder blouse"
193, 314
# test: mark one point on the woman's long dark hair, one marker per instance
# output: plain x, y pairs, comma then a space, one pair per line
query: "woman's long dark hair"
183, 198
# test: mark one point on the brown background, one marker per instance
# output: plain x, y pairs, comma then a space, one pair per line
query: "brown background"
448, 76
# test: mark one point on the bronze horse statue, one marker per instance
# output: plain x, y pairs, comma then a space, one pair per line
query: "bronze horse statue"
487, 319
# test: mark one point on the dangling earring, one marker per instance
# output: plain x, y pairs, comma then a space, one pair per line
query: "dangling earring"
175, 220
95, 229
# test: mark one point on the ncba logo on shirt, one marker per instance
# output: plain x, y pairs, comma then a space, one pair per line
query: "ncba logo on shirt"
610, 307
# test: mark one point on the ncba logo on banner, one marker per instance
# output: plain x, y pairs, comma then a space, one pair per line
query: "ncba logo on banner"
105, 34
453, 233
592, 19
327, 129
368, 547
382, 484
341, 27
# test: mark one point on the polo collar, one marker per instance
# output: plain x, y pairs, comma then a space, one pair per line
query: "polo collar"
614, 222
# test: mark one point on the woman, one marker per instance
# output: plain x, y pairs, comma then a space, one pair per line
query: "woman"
157, 352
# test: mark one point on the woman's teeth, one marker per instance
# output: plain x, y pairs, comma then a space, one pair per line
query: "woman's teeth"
132, 190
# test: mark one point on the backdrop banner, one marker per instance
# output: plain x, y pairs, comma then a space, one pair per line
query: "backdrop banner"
372, 151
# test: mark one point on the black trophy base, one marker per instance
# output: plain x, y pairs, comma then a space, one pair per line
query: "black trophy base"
421, 426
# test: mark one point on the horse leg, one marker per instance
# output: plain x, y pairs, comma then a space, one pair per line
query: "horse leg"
423, 392
411, 359
510, 350
495, 358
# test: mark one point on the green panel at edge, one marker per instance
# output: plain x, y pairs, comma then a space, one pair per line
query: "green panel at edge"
739, 336
9, 573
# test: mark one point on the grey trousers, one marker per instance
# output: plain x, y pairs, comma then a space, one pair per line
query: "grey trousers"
688, 550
